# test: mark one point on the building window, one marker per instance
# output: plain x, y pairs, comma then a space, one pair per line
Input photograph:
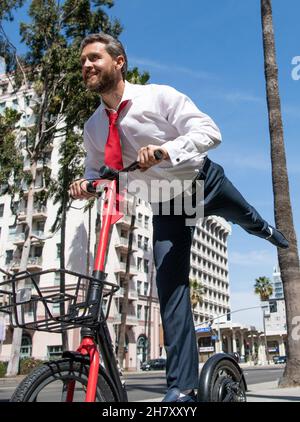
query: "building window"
2, 107
146, 243
139, 263
104, 306
146, 313
146, 286
27, 100
40, 226
146, 222
4, 89
146, 266
54, 352
38, 251
15, 104
26, 346
273, 306
139, 312
1, 210
139, 287
140, 239
140, 218
9, 257
124, 233
57, 278
12, 230
58, 249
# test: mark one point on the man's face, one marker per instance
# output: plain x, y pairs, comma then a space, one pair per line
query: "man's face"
100, 71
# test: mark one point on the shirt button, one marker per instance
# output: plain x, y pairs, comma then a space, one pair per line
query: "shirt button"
177, 159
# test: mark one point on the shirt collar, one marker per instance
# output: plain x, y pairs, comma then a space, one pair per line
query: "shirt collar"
131, 91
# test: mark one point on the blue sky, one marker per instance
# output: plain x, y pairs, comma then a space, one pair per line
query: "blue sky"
212, 51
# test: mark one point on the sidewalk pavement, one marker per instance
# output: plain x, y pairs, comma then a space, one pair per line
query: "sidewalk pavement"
269, 392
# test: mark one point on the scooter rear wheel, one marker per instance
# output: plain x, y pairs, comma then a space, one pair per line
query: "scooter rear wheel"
224, 384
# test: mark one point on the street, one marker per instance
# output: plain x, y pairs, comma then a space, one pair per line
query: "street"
152, 385
147, 386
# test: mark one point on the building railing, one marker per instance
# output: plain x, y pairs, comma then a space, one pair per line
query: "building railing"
33, 261
130, 319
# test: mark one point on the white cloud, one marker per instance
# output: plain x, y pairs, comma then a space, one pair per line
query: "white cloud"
253, 161
238, 97
150, 64
250, 258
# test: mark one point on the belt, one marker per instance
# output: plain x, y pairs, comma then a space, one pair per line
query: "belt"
203, 172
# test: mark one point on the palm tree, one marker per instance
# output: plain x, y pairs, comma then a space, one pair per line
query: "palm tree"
288, 258
263, 288
196, 292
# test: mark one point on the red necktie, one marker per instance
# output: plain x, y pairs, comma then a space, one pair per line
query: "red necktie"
113, 150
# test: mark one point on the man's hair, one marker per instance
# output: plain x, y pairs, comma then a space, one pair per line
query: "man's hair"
113, 46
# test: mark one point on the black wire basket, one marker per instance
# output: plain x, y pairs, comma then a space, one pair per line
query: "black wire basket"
46, 307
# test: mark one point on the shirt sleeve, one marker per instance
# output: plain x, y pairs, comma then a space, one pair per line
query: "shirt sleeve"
197, 131
92, 160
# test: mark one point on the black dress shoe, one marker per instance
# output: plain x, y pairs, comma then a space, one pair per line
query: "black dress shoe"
277, 238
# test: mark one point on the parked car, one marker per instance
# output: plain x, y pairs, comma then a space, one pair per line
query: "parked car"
279, 359
153, 364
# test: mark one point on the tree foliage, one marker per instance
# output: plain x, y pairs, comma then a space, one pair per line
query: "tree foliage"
11, 162
263, 287
6, 8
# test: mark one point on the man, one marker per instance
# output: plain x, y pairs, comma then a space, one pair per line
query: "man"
145, 119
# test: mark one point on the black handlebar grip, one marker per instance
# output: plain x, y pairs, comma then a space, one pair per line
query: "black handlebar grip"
90, 187
158, 154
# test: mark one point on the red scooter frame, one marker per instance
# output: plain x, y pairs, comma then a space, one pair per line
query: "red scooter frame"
88, 346
110, 215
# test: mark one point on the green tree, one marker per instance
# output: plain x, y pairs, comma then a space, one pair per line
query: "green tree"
11, 164
263, 287
288, 258
7, 6
196, 292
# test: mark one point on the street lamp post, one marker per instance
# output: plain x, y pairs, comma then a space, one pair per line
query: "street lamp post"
265, 336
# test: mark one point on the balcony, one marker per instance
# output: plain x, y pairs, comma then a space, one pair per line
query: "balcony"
39, 165
18, 238
38, 212
38, 235
122, 245
121, 268
34, 263
37, 188
126, 221
131, 319
47, 147
132, 294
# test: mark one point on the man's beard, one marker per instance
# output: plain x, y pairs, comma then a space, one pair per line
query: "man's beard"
105, 83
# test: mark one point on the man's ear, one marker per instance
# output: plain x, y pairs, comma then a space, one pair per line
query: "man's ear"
120, 62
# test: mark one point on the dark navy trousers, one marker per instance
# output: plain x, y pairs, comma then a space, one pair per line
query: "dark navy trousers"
172, 240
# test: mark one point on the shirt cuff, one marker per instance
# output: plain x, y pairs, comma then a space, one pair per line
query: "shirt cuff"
181, 150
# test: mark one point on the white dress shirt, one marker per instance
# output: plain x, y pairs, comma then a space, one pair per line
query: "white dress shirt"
157, 115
